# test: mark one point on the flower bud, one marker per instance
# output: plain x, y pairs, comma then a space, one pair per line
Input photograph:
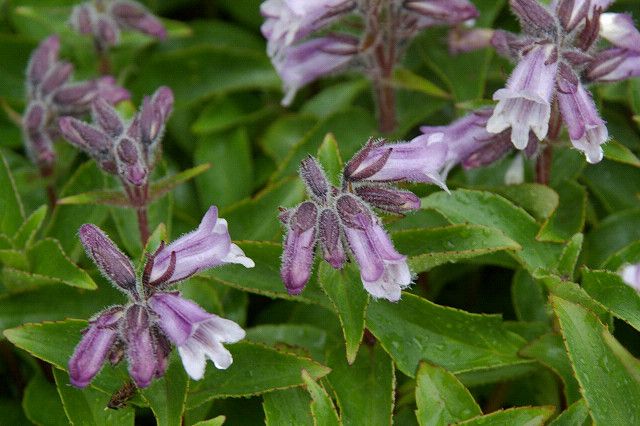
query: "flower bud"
42, 59
389, 199
299, 245
329, 236
85, 137
314, 178
130, 164
107, 118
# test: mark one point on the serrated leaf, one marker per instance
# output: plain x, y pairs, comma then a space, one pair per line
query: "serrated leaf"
264, 278
349, 299
364, 389
27, 231
13, 259
322, 409
430, 247
12, 212
167, 396
529, 300
628, 254
441, 398
538, 200
566, 266
42, 404
577, 414
573, 292
311, 339
216, 421
491, 210
287, 407
89, 406
568, 219
613, 234
610, 290
530, 416
477, 348
330, 159
549, 351
605, 383
48, 260
256, 369
614, 150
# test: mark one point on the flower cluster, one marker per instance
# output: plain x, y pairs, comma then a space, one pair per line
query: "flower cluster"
104, 19
342, 219
128, 149
155, 317
385, 29
51, 94
557, 54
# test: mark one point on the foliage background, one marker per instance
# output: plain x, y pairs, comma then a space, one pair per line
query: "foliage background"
538, 256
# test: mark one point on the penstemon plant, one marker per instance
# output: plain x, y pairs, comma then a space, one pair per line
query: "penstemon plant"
460, 248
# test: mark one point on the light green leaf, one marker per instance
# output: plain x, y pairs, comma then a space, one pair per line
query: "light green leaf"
614, 150
27, 231
167, 396
311, 339
573, 292
605, 383
609, 289
569, 258
477, 348
12, 212
577, 414
406, 79
529, 416
322, 409
330, 159
441, 398
335, 98
349, 299
568, 219
47, 259
538, 200
284, 133
216, 421
287, 407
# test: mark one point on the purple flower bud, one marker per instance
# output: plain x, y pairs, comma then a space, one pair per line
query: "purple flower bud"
197, 334
631, 276
35, 117
490, 153
154, 114
314, 178
130, 163
106, 32
384, 271
133, 15
419, 160
525, 104
533, 16
142, 355
619, 29
299, 244
614, 65
107, 118
586, 129
301, 64
42, 59
389, 199
108, 89
40, 149
441, 12
329, 236
111, 262
81, 19
574, 12
508, 44
95, 345
75, 97
56, 77
84, 136
207, 247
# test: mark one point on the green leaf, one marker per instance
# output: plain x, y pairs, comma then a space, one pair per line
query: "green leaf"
530, 416
629, 254
329, 157
477, 348
335, 98
264, 278
430, 247
48, 260
569, 259
441, 398
487, 209
256, 369
614, 150
231, 177
13, 259
27, 231
605, 383
549, 350
226, 113
609, 289
577, 414
322, 409
568, 219
311, 339
12, 212
344, 289
167, 396
406, 79
41, 403
284, 133
538, 200
364, 389
615, 185
216, 421
287, 407
573, 292
529, 300
89, 406
613, 234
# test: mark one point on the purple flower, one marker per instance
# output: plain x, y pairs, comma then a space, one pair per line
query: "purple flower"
196, 333
105, 18
153, 318
614, 64
525, 104
383, 270
299, 244
631, 276
619, 29
419, 160
441, 12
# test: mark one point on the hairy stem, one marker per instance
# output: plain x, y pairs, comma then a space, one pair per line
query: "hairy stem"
386, 104
543, 165
143, 224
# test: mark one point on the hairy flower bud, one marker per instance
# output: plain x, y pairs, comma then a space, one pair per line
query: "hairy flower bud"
299, 244
329, 236
314, 178
389, 199
107, 118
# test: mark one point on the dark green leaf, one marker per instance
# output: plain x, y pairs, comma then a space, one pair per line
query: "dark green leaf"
284, 133
614, 150
608, 288
167, 395
612, 234
406, 79
27, 231
311, 339
577, 414
42, 404
568, 219
529, 300
530, 416
12, 212
48, 260
615, 185
573, 292
322, 409
568, 260
287, 407
335, 98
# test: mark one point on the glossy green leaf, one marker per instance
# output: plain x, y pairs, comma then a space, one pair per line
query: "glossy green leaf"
322, 409
256, 369
427, 248
349, 299
12, 212
549, 350
577, 414
167, 396
441, 398
311, 339
604, 381
614, 150
48, 260
287, 407
538, 200
529, 299
364, 389
89, 406
568, 219
477, 348
42, 404
530, 416
573, 292
610, 290
483, 208
569, 258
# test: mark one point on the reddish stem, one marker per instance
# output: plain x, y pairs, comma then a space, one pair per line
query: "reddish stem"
543, 165
143, 224
386, 104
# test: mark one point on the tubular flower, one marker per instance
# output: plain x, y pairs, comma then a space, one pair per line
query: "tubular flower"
51, 94
557, 55
154, 317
